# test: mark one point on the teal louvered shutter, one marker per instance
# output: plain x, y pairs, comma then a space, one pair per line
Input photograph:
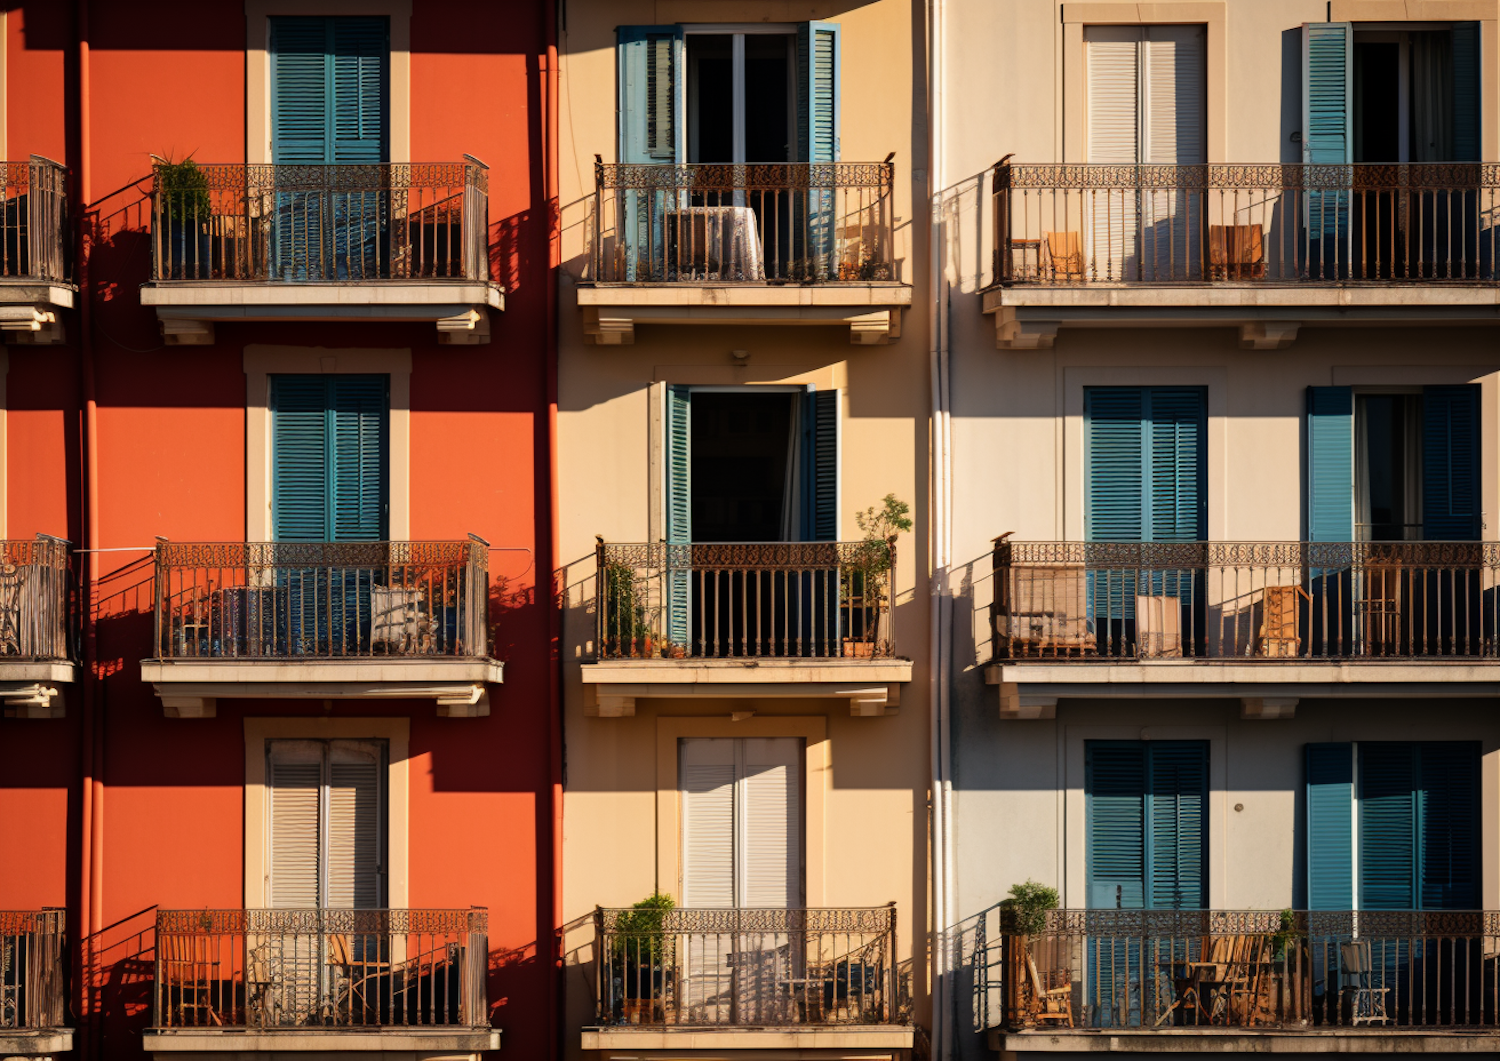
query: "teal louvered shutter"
299, 91
1176, 824
1330, 827
358, 430
1177, 498
649, 62
1450, 463
1327, 116
1115, 828
1387, 826
329, 90
1330, 464
817, 92
679, 515
299, 459
819, 489
359, 50
1449, 798
1115, 453
1467, 109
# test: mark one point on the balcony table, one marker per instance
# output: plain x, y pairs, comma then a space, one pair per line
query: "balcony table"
722, 243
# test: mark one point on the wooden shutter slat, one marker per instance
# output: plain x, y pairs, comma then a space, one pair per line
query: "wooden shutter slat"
295, 777
1114, 831
1450, 463
299, 459
1387, 826
707, 781
1330, 464
1330, 826
770, 861
1177, 817
360, 446
354, 876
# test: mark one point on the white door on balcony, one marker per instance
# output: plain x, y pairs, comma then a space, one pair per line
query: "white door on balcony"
1146, 92
741, 852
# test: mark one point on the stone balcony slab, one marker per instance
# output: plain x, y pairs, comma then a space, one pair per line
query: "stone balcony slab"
872, 686
871, 311
863, 1038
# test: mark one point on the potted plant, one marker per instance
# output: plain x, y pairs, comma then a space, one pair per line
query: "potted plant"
1024, 915
627, 628
184, 209
872, 560
641, 957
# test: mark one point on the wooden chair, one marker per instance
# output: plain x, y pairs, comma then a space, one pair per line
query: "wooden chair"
1359, 1001
1236, 252
360, 975
1053, 1003
1280, 636
1064, 257
1158, 627
1043, 610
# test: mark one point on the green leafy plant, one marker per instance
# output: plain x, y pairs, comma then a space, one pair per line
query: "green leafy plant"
1028, 905
872, 559
627, 626
184, 188
640, 944
1287, 936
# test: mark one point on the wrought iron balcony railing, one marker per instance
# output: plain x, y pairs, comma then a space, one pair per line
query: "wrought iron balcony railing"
1076, 224
1166, 970
345, 223
1243, 601
334, 968
744, 967
785, 222
322, 600
772, 600
34, 235
34, 599
32, 991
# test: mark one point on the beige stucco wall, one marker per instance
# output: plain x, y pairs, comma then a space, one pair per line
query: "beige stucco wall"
874, 784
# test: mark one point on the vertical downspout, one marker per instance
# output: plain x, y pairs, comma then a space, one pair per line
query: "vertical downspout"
91, 833
554, 544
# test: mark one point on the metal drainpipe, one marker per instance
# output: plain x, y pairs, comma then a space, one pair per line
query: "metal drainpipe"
554, 543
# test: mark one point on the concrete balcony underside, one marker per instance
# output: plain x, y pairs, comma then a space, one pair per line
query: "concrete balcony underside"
34, 688
190, 688
35, 1042
31, 310
1235, 1041
872, 686
865, 1040
414, 1043
871, 311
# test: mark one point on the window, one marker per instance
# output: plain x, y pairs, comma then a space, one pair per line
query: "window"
1146, 836
1393, 466
326, 842
741, 821
1393, 826
329, 457
1145, 454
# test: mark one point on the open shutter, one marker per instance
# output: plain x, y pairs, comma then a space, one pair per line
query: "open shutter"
1177, 847
300, 510
707, 779
1177, 505
359, 413
1448, 795
679, 515
295, 781
650, 65
1450, 463
299, 91
771, 847
1387, 826
354, 830
1330, 464
1467, 109
1115, 835
1327, 132
820, 467
1330, 826
817, 92
1114, 451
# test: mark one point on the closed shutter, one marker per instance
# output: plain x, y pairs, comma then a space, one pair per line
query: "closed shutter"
1176, 498
299, 91
771, 863
1450, 463
817, 92
359, 49
1327, 116
1330, 826
820, 467
1173, 128
1145, 450
1387, 826
1114, 450
707, 779
1448, 872
354, 862
295, 774
650, 66
679, 515
1467, 109
1114, 135
1330, 464
330, 443
1178, 837
329, 90
1115, 830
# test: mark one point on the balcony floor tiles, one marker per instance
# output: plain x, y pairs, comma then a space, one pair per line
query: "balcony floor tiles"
35, 1042
1227, 673
840, 1037
391, 1044
1234, 1041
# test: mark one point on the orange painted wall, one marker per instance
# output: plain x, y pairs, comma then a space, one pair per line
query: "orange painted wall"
168, 78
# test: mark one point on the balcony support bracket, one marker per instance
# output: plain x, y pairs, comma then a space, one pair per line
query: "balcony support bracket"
1268, 335
32, 700
186, 331
469, 328
473, 702
1268, 707
32, 325
875, 329
1013, 333
608, 329
1016, 706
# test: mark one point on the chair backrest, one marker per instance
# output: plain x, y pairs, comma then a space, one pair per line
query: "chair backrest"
1036, 977
1354, 963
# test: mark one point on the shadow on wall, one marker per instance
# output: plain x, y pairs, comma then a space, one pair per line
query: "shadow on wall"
118, 964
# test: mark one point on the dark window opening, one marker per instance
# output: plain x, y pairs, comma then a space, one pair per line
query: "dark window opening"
741, 467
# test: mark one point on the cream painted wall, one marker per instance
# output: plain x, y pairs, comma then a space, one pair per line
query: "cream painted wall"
874, 826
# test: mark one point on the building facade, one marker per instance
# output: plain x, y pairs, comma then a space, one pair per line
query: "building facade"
1223, 360
279, 755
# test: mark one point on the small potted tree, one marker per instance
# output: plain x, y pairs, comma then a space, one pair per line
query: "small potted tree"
1034, 994
184, 209
641, 957
866, 592
627, 627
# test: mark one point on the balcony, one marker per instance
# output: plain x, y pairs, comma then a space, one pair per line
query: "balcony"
784, 243
745, 619
747, 979
322, 620
1255, 981
321, 980
35, 656
393, 242
1265, 621
36, 282
33, 995
1267, 248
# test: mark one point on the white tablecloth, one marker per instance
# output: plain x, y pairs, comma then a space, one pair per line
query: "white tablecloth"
713, 243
